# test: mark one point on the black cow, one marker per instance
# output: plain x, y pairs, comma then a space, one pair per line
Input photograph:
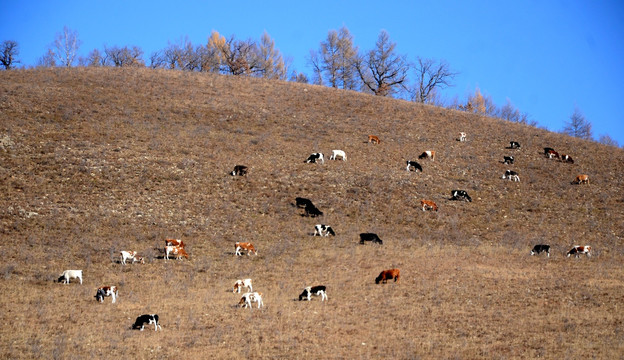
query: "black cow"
312, 211
508, 160
514, 145
460, 195
537, 249
316, 157
370, 237
239, 170
302, 202
319, 290
414, 164
143, 320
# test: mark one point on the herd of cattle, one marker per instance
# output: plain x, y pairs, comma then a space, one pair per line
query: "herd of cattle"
176, 247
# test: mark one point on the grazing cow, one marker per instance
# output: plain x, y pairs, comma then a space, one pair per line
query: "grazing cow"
178, 251
547, 150
323, 230
428, 154
460, 195
508, 160
581, 179
127, 255
370, 237
239, 284
338, 153
238, 246
511, 175
386, 275
567, 159
70, 274
240, 170
514, 145
174, 242
319, 290
373, 139
428, 205
143, 320
312, 211
540, 249
462, 136
105, 291
578, 250
413, 164
302, 202
250, 297
552, 154
315, 157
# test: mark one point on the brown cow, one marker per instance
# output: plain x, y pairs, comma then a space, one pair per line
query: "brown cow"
373, 139
428, 205
386, 275
244, 246
581, 179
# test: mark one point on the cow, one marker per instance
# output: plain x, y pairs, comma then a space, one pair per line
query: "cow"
178, 251
428, 205
386, 275
127, 255
462, 136
581, 179
238, 246
323, 230
370, 237
578, 250
413, 164
105, 291
537, 249
511, 175
338, 153
319, 290
240, 170
143, 320
312, 211
514, 145
430, 154
567, 159
508, 160
174, 242
552, 154
239, 284
315, 157
547, 150
250, 297
70, 274
460, 195
302, 202
373, 139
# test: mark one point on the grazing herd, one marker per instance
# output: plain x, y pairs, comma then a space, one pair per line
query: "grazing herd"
176, 247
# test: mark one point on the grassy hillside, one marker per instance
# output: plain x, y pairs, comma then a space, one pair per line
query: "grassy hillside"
94, 161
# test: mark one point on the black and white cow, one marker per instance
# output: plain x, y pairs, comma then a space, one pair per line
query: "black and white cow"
316, 157
460, 195
413, 164
143, 320
239, 170
302, 202
323, 230
508, 160
514, 145
537, 249
370, 237
319, 290
511, 175
312, 211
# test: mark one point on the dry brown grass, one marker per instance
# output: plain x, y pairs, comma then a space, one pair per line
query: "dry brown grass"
100, 160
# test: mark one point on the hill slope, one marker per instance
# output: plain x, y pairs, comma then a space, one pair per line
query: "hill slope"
94, 161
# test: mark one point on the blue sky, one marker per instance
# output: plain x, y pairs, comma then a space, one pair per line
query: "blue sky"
547, 57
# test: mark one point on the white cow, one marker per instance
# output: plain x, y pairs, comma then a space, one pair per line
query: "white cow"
250, 297
338, 153
70, 274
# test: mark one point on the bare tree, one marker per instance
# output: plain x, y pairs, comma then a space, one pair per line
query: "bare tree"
608, 140
431, 75
239, 57
9, 51
578, 126
271, 63
95, 58
510, 113
47, 60
124, 56
381, 70
335, 60
65, 46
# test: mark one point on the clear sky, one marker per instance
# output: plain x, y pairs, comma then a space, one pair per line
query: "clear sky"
546, 56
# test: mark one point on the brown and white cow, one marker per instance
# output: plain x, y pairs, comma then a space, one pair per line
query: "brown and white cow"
428, 205
127, 255
239, 284
178, 251
581, 179
462, 136
174, 242
578, 250
373, 139
386, 275
105, 291
550, 153
238, 246
430, 154
250, 297
567, 159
